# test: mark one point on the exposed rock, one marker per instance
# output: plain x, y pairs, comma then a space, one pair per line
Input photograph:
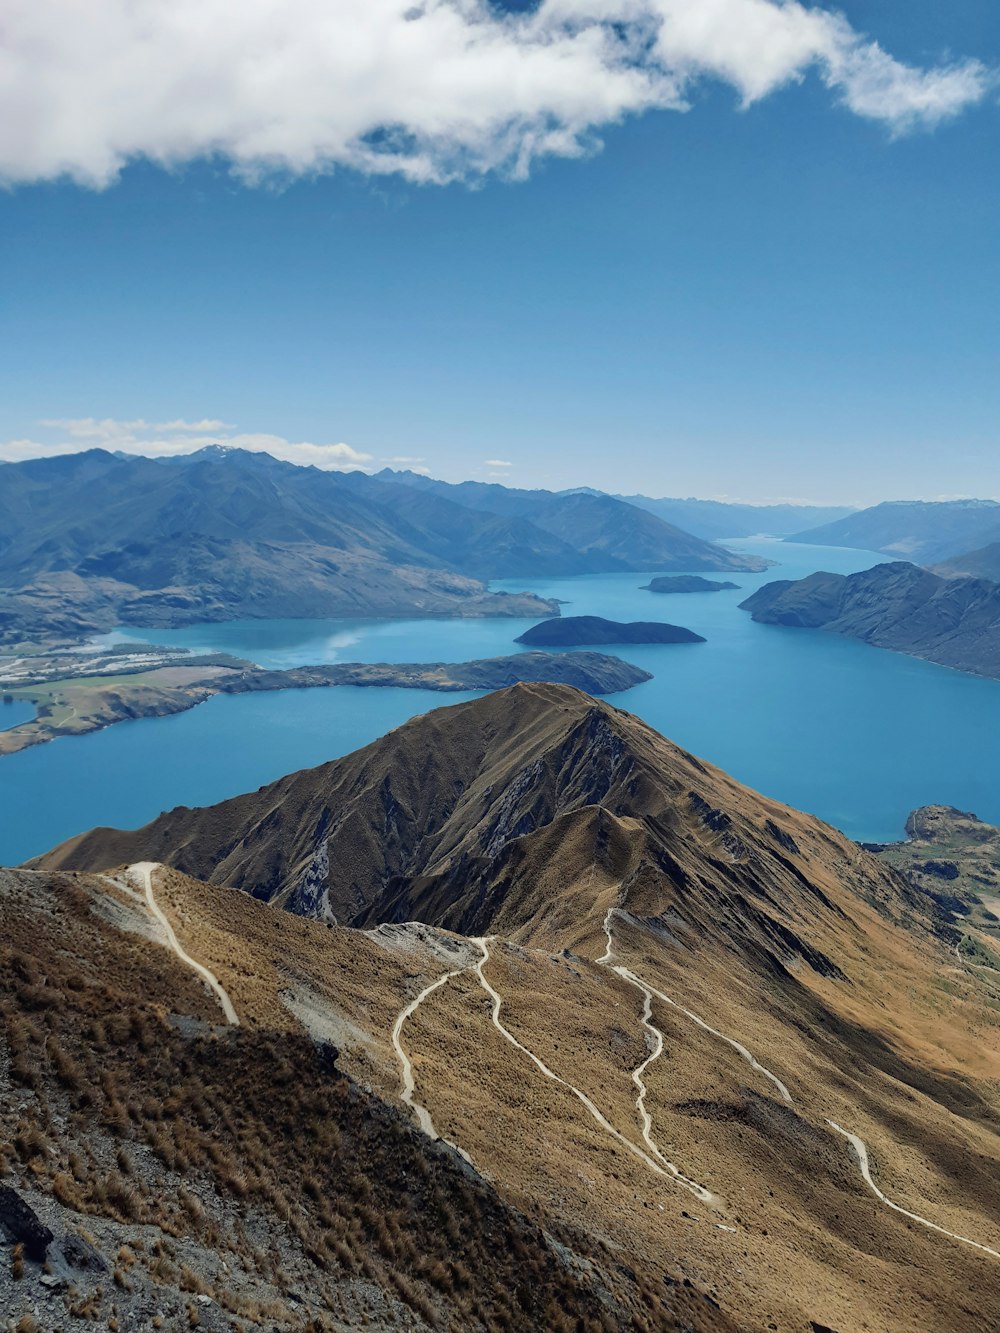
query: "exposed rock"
23, 1224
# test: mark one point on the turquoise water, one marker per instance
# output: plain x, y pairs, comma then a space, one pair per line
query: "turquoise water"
14, 713
856, 735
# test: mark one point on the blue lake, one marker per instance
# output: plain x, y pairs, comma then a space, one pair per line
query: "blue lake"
854, 734
15, 712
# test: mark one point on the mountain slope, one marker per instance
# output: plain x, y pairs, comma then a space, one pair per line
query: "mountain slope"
218, 1166
661, 1004
952, 621
918, 530
95, 540
612, 533
983, 563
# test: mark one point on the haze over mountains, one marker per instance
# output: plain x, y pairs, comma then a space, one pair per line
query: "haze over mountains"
92, 540
923, 531
718, 520
649, 1006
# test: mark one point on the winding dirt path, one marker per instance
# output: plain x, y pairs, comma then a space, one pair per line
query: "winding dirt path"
667, 1168
142, 872
861, 1151
737, 1046
409, 1086
857, 1143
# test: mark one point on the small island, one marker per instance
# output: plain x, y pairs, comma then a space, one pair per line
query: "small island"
569, 631
686, 583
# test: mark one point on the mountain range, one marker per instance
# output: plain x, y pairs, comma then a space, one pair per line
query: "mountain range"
721, 520
545, 985
95, 539
953, 621
926, 532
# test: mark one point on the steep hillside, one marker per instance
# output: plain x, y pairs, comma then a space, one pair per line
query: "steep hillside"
981, 564
919, 530
645, 1002
182, 1155
952, 621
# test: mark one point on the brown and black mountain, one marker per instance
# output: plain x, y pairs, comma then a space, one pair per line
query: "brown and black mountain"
456, 817
604, 962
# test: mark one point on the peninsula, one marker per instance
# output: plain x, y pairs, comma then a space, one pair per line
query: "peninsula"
73, 706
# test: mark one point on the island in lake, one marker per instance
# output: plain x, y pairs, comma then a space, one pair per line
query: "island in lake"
568, 631
686, 583
148, 682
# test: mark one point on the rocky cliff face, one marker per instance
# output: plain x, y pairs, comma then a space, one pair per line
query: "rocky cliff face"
952, 621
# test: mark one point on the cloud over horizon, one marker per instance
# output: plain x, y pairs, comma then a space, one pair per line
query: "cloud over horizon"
431, 90
172, 438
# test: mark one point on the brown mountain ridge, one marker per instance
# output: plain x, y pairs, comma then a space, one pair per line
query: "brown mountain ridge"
644, 1002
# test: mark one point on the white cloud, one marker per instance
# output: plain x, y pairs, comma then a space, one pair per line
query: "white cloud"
497, 462
433, 90
167, 439
109, 430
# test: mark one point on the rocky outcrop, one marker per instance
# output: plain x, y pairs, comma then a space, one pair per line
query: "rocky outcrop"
23, 1225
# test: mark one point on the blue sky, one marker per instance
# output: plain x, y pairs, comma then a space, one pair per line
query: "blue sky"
797, 298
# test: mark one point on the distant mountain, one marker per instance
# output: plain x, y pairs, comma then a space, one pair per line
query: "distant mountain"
981, 564
703, 1041
718, 520
955, 622
613, 534
923, 531
94, 539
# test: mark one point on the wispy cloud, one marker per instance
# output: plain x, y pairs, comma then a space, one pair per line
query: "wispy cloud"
433, 90
497, 462
171, 438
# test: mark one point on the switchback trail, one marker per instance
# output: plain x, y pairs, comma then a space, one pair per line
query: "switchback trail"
623, 972
142, 872
857, 1143
666, 1169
